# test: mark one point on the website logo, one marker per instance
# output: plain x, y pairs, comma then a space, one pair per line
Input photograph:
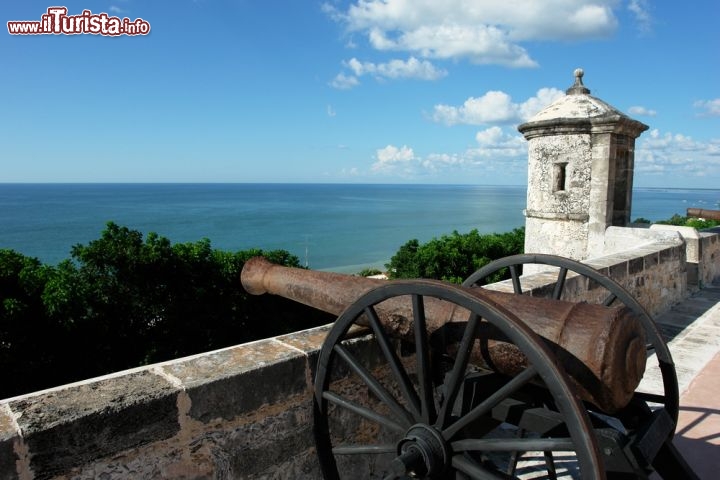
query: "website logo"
57, 22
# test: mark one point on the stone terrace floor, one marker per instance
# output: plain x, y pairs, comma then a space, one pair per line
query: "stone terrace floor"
693, 332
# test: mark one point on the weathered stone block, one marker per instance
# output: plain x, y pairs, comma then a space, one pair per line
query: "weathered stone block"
270, 441
310, 342
8, 437
230, 382
651, 261
636, 266
72, 426
619, 271
668, 255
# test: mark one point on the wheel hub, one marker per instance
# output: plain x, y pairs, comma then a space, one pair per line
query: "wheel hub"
421, 453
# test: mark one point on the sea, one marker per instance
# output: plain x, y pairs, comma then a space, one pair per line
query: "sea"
334, 227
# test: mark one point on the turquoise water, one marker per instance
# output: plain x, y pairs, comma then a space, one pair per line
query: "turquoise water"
330, 226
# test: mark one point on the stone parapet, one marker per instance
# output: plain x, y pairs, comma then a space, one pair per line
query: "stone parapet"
618, 239
702, 251
709, 257
240, 412
654, 273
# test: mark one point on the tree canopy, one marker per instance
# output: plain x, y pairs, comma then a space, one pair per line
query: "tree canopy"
126, 300
453, 257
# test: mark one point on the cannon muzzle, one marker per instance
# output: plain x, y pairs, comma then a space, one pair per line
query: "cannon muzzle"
601, 348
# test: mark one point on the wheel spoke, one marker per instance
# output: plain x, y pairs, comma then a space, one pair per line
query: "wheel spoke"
476, 471
422, 356
363, 449
517, 288
363, 412
651, 397
560, 284
411, 398
515, 455
550, 463
486, 405
376, 387
454, 381
513, 444
609, 300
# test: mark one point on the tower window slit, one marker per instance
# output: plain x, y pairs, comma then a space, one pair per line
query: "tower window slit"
560, 177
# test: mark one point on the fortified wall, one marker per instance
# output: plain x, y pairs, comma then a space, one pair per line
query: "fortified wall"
246, 411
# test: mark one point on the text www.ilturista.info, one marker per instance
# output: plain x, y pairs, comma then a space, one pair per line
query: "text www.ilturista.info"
57, 22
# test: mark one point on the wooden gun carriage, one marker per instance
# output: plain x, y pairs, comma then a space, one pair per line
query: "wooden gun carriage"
425, 379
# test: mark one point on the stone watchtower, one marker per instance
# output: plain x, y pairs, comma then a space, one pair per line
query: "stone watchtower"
581, 154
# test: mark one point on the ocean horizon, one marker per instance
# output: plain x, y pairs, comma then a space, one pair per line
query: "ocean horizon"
328, 226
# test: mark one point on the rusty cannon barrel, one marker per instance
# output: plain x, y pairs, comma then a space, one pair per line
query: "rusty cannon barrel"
601, 348
703, 213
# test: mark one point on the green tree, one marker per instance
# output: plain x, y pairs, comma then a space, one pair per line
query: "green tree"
453, 257
27, 335
123, 300
682, 221
404, 264
369, 272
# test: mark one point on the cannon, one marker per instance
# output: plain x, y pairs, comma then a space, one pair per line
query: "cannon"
703, 213
424, 379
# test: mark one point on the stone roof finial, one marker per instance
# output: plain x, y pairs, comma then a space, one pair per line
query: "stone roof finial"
578, 88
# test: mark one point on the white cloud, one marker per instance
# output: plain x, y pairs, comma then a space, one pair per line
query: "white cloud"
391, 157
641, 11
480, 44
677, 155
344, 82
495, 107
503, 151
494, 141
411, 68
438, 161
330, 111
350, 172
488, 32
116, 9
394, 69
639, 110
543, 98
496, 149
711, 108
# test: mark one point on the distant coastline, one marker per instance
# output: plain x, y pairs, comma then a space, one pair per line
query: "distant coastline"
342, 227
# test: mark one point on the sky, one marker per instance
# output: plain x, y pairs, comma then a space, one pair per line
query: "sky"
363, 91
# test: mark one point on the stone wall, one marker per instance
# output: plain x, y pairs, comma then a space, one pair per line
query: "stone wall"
702, 253
653, 271
246, 411
241, 412
557, 208
709, 258
553, 235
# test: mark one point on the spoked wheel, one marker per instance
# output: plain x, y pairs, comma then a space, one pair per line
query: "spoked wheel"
611, 294
421, 408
